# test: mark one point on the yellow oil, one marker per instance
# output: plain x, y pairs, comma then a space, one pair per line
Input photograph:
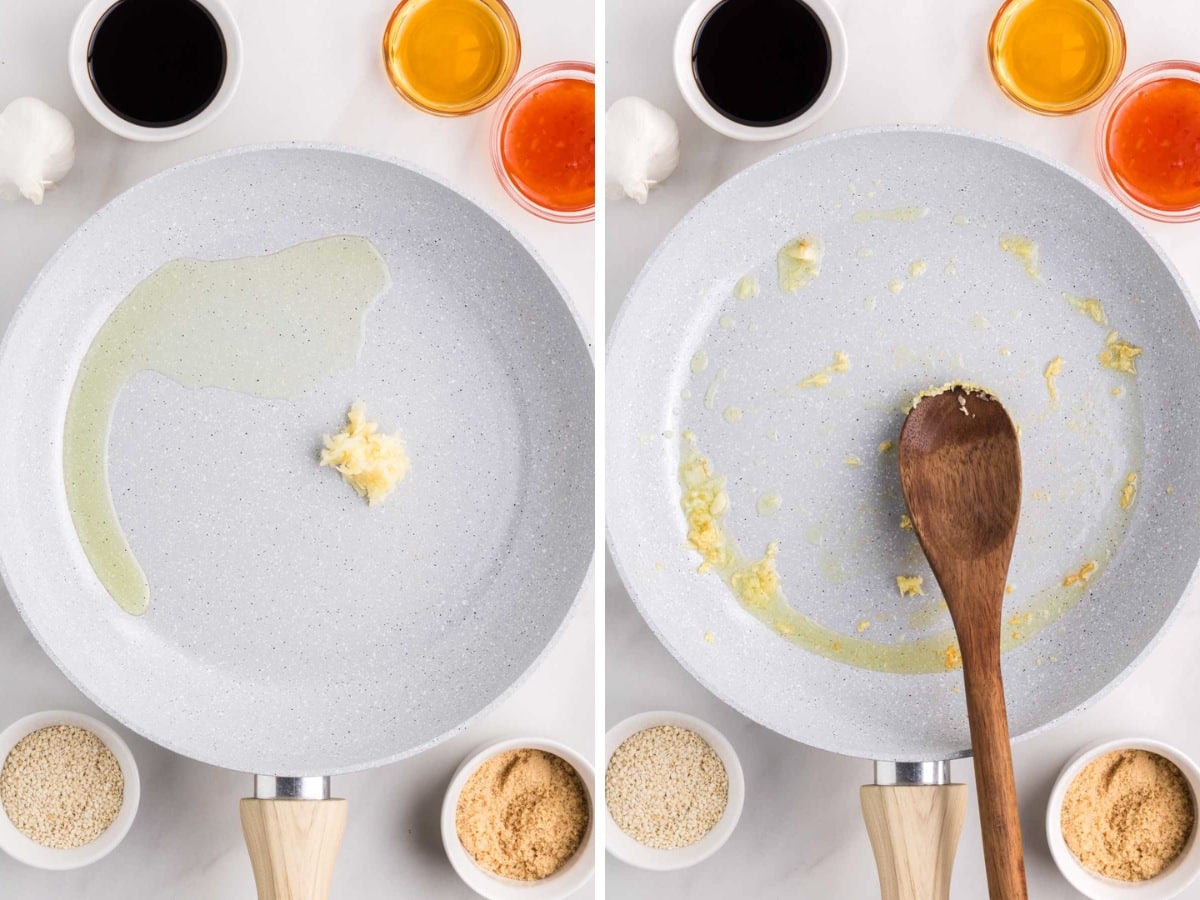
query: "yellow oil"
269, 326
1056, 56
451, 57
759, 589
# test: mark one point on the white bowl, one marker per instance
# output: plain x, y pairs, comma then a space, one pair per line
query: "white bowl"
1172, 881
77, 52
573, 874
28, 851
685, 38
631, 851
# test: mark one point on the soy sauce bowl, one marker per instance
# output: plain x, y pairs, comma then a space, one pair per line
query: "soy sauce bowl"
79, 50
690, 27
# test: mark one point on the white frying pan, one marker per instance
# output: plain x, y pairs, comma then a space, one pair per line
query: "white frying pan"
966, 310
292, 631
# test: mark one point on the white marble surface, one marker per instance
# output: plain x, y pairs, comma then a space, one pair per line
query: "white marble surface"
801, 834
312, 73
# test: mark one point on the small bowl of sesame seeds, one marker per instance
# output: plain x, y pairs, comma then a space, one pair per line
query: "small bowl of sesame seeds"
673, 790
69, 790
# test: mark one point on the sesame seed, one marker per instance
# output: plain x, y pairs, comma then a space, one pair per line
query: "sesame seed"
666, 787
61, 786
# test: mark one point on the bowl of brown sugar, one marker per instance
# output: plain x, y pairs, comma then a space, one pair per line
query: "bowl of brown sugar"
517, 820
1122, 821
69, 790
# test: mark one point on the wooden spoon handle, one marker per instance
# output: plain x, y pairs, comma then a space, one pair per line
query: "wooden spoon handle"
999, 817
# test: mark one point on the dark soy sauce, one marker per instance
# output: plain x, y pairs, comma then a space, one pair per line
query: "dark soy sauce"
157, 62
761, 62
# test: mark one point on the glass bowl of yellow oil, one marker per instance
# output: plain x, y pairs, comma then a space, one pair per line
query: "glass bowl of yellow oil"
451, 57
1056, 57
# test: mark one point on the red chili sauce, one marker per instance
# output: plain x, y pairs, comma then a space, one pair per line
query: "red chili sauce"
1154, 144
549, 145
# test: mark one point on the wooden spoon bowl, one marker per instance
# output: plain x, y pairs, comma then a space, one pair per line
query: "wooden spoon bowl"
960, 470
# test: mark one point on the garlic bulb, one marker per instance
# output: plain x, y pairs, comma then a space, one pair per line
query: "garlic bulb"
641, 148
37, 147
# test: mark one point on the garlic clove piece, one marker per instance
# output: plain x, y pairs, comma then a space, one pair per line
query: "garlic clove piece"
641, 147
37, 147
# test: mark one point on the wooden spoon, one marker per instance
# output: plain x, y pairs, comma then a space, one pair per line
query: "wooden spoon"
960, 469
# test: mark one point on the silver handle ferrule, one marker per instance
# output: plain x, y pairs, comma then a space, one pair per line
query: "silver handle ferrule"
912, 773
280, 787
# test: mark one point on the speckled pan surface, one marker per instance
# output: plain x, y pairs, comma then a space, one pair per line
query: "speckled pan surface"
981, 319
293, 630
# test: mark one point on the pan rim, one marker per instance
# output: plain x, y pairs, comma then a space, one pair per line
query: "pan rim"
243, 149
639, 597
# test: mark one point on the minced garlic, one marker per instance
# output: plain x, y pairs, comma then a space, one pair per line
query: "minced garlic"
1024, 250
704, 504
910, 585
799, 262
1089, 306
1053, 370
371, 463
746, 287
840, 364
967, 387
1129, 491
953, 657
759, 581
1119, 355
1084, 573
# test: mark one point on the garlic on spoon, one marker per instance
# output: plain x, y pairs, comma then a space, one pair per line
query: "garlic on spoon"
37, 147
641, 147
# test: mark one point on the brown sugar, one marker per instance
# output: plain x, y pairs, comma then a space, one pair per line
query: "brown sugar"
523, 814
1128, 815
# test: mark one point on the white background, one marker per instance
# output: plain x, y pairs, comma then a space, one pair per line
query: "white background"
313, 72
801, 835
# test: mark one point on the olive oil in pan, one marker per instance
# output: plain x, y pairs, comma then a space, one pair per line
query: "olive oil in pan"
268, 326
761, 62
157, 63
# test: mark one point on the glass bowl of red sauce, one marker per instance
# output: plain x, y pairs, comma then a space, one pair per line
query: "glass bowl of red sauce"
1148, 141
544, 142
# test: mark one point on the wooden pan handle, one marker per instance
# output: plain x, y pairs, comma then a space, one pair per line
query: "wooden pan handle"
914, 832
999, 816
293, 845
